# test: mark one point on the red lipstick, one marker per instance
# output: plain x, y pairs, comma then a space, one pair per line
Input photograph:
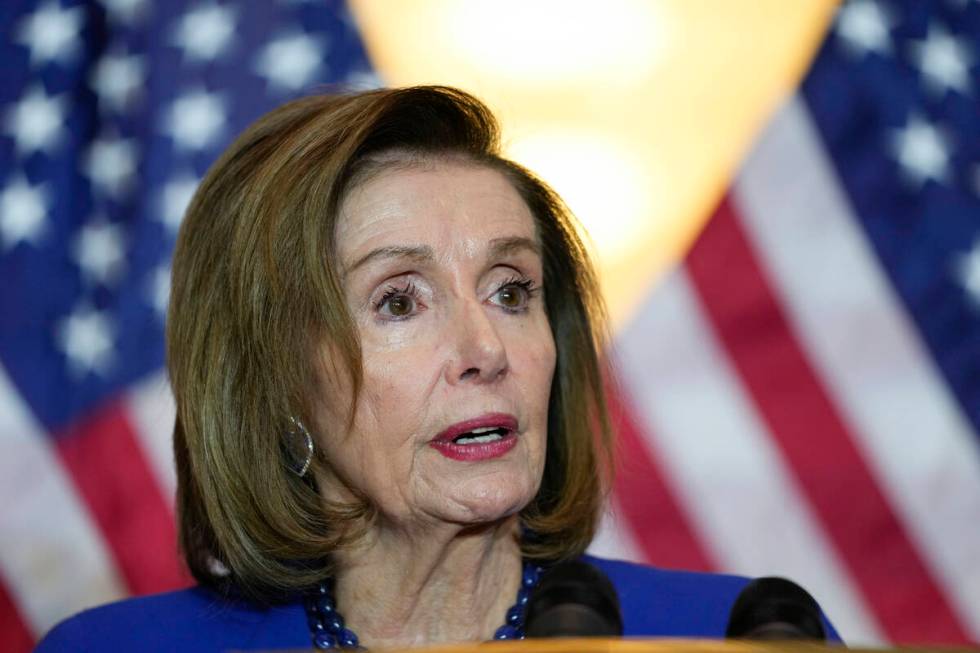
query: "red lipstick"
482, 438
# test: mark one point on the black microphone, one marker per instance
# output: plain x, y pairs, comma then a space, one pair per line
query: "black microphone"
573, 599
775, 608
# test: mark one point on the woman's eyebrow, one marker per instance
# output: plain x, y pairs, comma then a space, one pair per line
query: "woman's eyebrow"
512, 245
414, 253
423, 253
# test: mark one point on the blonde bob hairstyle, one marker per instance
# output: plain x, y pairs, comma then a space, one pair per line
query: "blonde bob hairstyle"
256, 291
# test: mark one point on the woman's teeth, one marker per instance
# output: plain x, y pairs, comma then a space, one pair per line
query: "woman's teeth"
481, 436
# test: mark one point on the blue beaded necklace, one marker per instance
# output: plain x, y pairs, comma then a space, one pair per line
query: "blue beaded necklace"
327, 628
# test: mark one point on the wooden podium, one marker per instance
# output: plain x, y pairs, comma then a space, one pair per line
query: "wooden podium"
632, 645
635, 645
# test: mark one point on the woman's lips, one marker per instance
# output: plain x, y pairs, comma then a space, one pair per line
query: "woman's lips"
475, 451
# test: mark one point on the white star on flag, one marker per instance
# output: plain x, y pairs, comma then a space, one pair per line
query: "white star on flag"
864, 27
174, 198
291, 62
195, 120
111, 165
944, 61
36, 122
159, 290
86, 338
117, 79
51, 33
968, 268
99, 251
922, 151
363, 80
205, 32
124, 11
23, 212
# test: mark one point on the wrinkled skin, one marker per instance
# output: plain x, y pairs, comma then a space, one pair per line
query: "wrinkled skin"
452, 330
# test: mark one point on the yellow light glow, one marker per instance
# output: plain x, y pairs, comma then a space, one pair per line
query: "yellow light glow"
636, 111
602, 181
532, 43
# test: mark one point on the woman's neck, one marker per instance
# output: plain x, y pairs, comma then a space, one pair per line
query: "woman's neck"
450, 585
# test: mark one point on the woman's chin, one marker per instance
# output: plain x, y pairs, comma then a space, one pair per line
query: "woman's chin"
473, 505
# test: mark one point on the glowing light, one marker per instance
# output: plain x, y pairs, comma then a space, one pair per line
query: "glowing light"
603, 182
636, 111
542, 43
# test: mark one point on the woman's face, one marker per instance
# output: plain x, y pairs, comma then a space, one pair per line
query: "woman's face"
443, 275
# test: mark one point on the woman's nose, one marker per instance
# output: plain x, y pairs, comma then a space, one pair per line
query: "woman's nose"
478, 354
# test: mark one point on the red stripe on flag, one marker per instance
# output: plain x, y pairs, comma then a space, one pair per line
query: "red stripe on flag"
15, 637
813, 437
113, 476
659, 526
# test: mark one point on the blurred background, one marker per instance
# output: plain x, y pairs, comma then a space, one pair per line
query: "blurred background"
783, 199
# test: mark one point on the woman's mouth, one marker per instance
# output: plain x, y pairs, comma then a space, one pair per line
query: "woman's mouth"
483, 438
482, 435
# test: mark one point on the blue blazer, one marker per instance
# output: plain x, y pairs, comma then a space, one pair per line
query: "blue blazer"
655, 603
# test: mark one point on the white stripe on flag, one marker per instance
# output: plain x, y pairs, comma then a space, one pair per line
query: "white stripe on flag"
150, 406
613, 539
727, 472
52, 558
903, 418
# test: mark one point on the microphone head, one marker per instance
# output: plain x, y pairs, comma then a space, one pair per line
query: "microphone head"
573, 599
775, 608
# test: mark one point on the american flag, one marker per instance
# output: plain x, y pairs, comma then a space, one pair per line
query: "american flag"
110, 112
801, 396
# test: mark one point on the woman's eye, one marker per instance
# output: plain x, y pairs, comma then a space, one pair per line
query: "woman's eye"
400, 305
515, 295
511, 296
398, 302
